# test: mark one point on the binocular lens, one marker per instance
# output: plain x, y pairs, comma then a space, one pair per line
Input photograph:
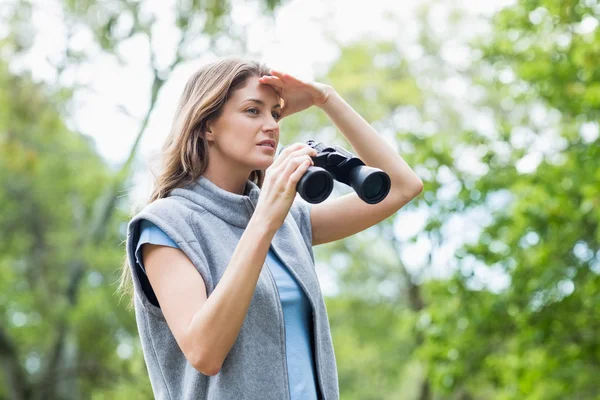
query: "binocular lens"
315, 185
373, 186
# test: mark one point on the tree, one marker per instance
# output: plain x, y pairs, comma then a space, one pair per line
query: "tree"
534, 339
56, 262
49, 180
516, 317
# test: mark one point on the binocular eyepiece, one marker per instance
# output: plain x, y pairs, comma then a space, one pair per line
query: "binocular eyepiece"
372, 185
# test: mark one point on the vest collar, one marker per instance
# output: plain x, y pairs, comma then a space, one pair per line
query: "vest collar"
231, 207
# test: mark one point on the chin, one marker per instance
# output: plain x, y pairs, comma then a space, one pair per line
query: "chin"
263, 166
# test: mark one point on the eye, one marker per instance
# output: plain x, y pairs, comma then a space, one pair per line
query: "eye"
256, 111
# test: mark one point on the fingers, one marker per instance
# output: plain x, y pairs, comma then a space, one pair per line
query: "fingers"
297, 174
292, 151
289, 167
284, 153
282, 75
277, 73
295, 162
272, 80
301, 163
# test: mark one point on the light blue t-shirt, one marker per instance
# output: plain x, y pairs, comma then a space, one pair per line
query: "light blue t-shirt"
297, 315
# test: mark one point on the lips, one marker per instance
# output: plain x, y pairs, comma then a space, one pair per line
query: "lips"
269, 143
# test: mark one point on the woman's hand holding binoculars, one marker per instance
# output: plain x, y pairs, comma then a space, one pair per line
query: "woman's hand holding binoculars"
279, 186
310, 169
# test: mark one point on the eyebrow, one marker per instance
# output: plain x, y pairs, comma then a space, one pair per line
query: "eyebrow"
262, 103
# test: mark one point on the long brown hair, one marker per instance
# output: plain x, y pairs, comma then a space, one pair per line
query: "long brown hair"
184, 154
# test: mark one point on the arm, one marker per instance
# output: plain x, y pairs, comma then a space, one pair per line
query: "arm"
344, 216
371, 148
347, 215
206, 328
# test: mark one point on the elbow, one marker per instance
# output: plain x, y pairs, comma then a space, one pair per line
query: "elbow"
206, 368
418, 187
410, 191
406, 189
205, 365
212, 371
200, 356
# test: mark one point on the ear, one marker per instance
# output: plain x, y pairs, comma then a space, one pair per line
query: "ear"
208, 133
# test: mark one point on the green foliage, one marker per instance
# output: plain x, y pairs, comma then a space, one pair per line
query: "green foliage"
50, 179
541, 40
373, 343
399, 332
63, 332
534, 339
374, 78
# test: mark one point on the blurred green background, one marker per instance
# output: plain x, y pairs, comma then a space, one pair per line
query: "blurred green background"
486, 286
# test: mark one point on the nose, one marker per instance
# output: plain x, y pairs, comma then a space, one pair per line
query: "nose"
270, 124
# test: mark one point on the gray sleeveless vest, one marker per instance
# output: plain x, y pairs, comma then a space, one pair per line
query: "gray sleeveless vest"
207, 222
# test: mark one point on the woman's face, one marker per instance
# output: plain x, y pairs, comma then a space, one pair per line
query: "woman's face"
250, 116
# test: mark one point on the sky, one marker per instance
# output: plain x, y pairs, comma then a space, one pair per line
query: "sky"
296, 41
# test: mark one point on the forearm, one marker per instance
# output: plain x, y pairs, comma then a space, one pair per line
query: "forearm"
216, 325
370, 146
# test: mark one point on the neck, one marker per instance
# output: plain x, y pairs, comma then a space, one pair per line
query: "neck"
227, 178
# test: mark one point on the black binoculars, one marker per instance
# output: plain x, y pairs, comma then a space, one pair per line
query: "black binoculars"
333, 162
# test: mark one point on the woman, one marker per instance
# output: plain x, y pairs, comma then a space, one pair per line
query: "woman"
227, 301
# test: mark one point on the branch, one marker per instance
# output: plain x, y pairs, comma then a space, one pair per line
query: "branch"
16, 376
415, 298
425, 389
94, 235
417, 303
51, 371
105, 209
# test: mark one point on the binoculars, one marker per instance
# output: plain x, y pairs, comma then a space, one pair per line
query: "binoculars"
333, 162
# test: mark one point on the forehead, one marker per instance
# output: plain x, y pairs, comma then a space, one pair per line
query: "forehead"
256, 90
